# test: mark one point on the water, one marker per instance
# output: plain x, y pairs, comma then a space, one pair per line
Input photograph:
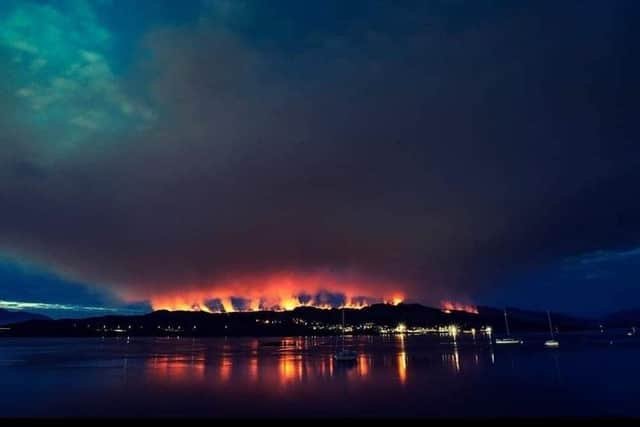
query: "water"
245, 377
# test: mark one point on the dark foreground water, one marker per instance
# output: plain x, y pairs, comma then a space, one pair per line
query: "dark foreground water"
394, 376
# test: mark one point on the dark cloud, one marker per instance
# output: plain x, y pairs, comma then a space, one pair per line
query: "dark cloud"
440, 157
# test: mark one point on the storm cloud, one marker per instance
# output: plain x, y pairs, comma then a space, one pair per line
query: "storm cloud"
414, 146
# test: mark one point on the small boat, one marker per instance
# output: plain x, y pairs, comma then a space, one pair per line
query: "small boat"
508, 339
345, 355
632, 332
551, 343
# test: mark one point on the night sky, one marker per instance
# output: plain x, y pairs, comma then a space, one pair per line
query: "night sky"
167, 154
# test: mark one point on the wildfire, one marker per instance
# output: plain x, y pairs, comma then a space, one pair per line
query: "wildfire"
449, 306
397, 300
278, 292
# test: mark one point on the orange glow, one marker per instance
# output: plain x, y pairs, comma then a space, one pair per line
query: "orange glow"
289, 303
363, 365
253, 361
448, 307
290, 368
402, 361
225, 369
276, 291
330, 366
227, 306
226, 364
176, 368
253, 368
397, 299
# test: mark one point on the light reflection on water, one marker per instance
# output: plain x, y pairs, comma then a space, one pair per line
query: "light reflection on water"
240, 376
402, 360
287, 361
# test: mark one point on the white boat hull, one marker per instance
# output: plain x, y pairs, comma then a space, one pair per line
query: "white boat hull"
508, 341
551, 344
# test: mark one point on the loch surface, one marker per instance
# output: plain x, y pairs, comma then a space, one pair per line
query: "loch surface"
589, 375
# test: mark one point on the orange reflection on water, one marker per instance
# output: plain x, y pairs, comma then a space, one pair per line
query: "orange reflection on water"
177, 368
225, 369
363, 365
402, 360
253, 368
331, 366
402, 367
290, 368
253, 361
226, 363
326, 367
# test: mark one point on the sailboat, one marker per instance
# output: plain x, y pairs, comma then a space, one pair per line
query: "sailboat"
508, 339
552, 343
345, 355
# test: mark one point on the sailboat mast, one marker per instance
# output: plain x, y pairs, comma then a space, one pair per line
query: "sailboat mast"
506, 322
550, 326
343, 328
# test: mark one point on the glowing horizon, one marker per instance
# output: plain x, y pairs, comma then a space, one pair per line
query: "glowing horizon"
30, 305
282, 291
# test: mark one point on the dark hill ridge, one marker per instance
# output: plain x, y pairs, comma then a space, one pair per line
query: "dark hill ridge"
624, 319
529, 321
301, 321
8, 316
